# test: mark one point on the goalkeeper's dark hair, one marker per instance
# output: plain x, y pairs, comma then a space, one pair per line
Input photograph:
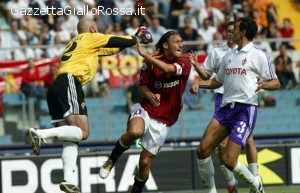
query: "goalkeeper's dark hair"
164, 39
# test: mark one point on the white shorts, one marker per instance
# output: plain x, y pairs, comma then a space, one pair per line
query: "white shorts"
155, 132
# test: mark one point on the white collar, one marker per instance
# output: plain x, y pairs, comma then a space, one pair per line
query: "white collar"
247, 47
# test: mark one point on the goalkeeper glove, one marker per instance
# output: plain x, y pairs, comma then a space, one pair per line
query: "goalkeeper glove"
144, 35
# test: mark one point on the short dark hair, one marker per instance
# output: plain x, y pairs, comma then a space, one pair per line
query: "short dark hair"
229, 24
164, 38
249, 25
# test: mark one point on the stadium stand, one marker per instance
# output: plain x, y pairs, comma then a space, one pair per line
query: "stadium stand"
107, 116
5, 140
289, 9
107, 125
12, 100
13, 120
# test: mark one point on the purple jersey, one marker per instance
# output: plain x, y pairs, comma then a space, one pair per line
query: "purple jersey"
239, 119
169, 86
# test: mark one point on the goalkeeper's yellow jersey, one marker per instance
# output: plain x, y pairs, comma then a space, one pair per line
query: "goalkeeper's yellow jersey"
80, 57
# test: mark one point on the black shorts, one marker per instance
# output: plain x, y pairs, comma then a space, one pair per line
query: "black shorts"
64, 97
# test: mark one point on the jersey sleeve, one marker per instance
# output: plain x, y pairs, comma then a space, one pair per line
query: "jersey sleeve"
121, 41
98, 40
266, 70
182, 67
108, 51
221, 73
208, 64
145, 75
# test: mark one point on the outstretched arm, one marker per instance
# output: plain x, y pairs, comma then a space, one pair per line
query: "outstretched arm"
201, 72
208, 84
122, 41
116, 44
157, 63
108, 51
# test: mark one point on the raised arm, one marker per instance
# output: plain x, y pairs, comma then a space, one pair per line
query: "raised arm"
122, 41
108, 51
141, 36
201, 72
157, 63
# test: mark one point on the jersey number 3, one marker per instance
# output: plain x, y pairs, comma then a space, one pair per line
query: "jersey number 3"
67, 55
242, 127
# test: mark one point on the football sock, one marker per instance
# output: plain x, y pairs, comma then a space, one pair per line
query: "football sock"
228, 175
138, 185
244, 174
206, 172
69, 158
63, 133
253, 168
117, 151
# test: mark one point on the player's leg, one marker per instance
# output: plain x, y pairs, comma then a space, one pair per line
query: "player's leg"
75, 130
242, 124
66, 104
135, 129
232, 183
230, 160
152, 140
214, 134
67, 108
70, 153
251, 153
143, 173
70, 149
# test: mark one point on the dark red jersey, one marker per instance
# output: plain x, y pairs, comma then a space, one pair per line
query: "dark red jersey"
169, 86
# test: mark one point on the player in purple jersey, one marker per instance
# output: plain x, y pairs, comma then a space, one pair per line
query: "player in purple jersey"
210, 67
162, 82
243, 72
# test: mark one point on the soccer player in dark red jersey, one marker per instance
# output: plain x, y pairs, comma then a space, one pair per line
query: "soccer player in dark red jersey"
162, 82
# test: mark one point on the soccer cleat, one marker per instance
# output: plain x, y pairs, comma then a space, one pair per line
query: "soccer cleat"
106, 168
260, 186
233, 188
36, 140
252, 191
68, 188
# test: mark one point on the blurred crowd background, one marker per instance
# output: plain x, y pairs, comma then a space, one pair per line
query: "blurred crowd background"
201, 23
31, 44
196, 20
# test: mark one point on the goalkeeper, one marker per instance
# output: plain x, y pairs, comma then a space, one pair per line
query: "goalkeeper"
65, 99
